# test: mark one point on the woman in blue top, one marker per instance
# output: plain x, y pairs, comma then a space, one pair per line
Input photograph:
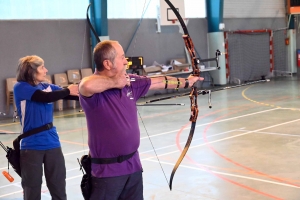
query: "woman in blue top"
34, 101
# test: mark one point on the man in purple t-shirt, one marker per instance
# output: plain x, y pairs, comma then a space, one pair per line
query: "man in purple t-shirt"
108, 99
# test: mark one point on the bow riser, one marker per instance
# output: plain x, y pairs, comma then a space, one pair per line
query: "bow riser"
194, 105
195, 61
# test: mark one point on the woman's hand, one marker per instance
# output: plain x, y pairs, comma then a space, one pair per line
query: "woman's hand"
73, 89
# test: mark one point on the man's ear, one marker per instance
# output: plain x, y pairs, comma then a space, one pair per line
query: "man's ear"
107, 64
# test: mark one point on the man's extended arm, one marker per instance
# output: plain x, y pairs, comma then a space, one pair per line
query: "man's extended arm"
170, 82
97, 84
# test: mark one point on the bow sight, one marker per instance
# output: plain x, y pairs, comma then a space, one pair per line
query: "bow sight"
218, 53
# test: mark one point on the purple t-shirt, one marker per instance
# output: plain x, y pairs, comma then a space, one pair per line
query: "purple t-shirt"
113, 129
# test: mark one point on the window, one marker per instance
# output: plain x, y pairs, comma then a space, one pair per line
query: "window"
76, 9
43, 9
134, 8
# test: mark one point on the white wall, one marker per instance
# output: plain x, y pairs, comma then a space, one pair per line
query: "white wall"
254, 8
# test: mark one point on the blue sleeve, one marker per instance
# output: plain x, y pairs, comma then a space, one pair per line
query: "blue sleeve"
55, 87
23, 91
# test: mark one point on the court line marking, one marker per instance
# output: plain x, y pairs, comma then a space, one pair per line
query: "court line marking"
231, 137
229, 174
196, 126
271, 133
217, 172
56, 116
155, 135
223, 120
43, 185
248, 132
66, 154
195, 139
226, 174
86, 150
168, 163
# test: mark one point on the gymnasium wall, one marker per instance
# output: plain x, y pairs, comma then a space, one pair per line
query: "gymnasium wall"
64, 44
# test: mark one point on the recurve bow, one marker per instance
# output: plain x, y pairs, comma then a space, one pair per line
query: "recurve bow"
194, 93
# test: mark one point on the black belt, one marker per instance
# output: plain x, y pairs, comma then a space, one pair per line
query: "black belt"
118, 159
36, 130
16, 142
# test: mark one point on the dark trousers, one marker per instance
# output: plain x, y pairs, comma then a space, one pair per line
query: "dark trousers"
127, 187
32, 171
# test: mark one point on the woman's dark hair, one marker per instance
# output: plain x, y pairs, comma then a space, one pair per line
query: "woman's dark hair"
104, 51
27, 68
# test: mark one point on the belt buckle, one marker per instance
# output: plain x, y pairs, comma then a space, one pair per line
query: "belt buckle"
48, 126
120, 159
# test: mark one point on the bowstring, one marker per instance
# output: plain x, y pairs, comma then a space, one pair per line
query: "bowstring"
152, 146
139, 78
83, 50
135, 39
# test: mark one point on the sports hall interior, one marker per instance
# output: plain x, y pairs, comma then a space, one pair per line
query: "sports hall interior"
245, 145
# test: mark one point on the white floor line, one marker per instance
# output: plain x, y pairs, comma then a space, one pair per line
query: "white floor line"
297, 109
148, 159
47, 195
223, 120
151, 150
43, 185
165, 147
270, 133
66, 154
231, 175
73, 177
8, 194
143, 152
76, 152
17, 184
227, 138
227, 174
86, 150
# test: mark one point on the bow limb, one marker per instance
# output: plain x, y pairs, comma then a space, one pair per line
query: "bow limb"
90, 24
193, 94
186, 147
193, 119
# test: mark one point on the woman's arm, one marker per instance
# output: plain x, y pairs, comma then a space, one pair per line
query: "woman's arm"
47, 97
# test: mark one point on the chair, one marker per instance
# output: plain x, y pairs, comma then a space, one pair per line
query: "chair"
73, 76
10, 82
86, 72
62, 81
48, 79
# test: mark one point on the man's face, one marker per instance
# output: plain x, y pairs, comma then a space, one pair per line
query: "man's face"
120, 62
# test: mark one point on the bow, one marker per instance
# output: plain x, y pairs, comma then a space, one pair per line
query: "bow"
194, 93
90, 24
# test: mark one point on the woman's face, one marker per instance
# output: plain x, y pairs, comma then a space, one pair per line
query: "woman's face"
40, 76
